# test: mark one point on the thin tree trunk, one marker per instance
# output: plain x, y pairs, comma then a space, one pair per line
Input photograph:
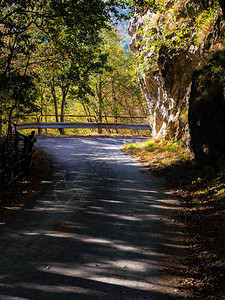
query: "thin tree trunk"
100, 104
87, 112
115, 110
54, 100
55, 103
9, 131
62, 116
10, 56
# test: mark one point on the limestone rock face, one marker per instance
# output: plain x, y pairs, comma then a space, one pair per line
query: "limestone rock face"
167, 85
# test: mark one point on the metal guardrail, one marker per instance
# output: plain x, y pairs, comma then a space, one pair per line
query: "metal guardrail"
39, 118
56, 125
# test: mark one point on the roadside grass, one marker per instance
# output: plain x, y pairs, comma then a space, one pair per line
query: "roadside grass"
163, 152
202, 197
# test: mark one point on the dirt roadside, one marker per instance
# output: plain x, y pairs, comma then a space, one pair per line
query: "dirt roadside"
200, 219
14, 197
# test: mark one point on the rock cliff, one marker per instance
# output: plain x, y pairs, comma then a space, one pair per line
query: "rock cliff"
207, 111
168, 64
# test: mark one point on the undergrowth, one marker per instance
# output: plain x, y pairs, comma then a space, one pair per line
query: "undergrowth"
15, 196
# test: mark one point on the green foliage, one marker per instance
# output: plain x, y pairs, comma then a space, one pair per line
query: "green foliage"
116, 91
18, 92
130, 146
95, 88
153, 5
203, 23
62, 36
169, 30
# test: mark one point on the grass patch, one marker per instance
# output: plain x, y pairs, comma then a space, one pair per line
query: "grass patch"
202, 197
158, 153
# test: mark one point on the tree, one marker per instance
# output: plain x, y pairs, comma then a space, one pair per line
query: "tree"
71, 27
116, 89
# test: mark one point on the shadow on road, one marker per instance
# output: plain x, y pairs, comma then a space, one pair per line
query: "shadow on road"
100, 231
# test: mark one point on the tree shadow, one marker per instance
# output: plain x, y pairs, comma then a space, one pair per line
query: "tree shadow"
110, 245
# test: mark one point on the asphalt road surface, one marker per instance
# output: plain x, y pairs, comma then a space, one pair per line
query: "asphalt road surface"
95, 233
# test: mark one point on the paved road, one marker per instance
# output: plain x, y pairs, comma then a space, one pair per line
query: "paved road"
95, 233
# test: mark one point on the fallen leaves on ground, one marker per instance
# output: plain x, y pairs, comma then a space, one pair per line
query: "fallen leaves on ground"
202, 214
14, 197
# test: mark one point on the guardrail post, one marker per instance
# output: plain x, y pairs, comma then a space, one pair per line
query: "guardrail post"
24, 154
15, 156
39, 129
30, 145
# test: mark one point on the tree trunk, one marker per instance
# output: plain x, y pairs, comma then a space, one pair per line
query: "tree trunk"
9, 131
100, 104
87, 112
55, 103
62, 116
54, 100
115, 108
